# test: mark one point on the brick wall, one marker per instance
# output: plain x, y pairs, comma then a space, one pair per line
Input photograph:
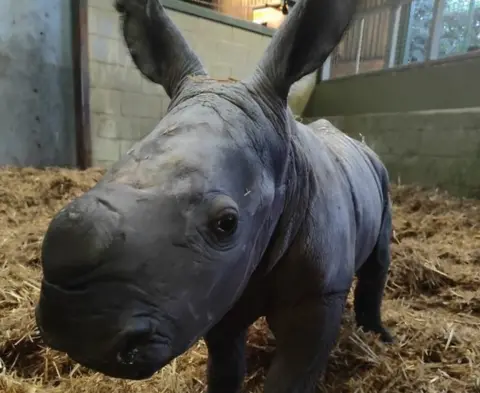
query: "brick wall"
125, 106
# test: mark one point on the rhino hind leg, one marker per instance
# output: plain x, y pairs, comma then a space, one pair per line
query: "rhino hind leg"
372, 278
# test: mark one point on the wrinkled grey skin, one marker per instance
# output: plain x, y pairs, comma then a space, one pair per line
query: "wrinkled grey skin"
228, 210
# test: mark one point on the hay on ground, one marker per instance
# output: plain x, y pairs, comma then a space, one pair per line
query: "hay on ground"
432, 303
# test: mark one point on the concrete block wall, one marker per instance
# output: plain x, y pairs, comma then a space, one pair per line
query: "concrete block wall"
431, 148
125, 106
422, 119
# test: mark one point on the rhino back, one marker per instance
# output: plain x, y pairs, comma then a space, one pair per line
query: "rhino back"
358, 174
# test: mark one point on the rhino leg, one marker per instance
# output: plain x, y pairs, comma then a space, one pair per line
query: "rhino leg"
305, 335
226, 359
372, 277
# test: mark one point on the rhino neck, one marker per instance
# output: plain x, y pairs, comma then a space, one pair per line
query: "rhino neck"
298, 186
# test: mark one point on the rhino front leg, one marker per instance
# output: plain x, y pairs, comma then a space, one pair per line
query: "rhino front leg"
305, 335
226, 359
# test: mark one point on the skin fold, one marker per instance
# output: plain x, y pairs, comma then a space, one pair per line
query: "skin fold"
227, 211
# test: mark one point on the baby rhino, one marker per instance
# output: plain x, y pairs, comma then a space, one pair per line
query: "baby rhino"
227, 211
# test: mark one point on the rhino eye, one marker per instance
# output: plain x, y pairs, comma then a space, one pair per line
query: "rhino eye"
225, 225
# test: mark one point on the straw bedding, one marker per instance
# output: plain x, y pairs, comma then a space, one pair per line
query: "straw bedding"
432, 303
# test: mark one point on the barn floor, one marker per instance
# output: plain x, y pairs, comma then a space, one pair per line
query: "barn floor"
432, 303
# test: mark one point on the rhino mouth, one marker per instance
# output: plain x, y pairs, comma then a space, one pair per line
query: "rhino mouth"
134, 362
132, 357
134, 347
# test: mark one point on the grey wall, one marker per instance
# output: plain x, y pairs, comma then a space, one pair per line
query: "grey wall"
36, 85
446, 84
125, 106
431, 148
423, 121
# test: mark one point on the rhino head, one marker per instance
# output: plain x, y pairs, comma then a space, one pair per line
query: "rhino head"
142, 265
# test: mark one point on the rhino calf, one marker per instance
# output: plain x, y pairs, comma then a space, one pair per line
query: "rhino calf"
227, 211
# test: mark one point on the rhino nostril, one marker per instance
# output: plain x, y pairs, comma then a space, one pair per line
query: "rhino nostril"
131, 344
127, 356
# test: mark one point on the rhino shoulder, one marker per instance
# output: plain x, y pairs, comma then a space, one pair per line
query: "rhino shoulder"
355, 153
323, 125
324, 128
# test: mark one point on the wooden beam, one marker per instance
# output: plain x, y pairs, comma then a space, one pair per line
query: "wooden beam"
393, 29
81, 82
359, 47
471, 17
436, 30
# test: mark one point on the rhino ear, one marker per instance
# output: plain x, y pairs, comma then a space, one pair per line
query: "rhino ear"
303, 42
156, 45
